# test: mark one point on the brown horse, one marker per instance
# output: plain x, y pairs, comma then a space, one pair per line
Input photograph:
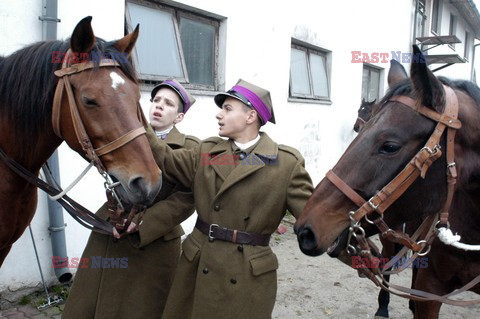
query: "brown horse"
388, 143
364, 114
396, 74
107, 99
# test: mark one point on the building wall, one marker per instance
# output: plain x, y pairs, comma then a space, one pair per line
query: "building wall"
258, 43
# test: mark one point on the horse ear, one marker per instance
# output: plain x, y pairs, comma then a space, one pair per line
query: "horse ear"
83, 39
127, 43
396, 73
427, 88
373, 102
363, 100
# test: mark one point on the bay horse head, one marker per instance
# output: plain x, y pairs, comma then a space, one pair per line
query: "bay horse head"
364, 114
107, 98
83, 91
388, 143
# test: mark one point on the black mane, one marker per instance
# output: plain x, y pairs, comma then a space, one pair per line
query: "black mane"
27, 83
405, 88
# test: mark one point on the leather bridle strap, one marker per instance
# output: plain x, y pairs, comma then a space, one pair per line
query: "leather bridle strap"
82, 136
77, 211
419, 164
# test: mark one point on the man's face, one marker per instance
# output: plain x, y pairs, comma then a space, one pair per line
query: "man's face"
232, 119
164, 110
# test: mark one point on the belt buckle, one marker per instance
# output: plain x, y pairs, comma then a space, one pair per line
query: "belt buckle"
210, 232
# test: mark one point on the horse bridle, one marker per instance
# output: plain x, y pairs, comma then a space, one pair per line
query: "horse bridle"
78, 212
93, 154
384, 198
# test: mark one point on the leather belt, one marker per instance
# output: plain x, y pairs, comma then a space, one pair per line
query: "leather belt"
214, 231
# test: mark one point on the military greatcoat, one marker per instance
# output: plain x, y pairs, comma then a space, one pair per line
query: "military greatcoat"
220, 279
135, 280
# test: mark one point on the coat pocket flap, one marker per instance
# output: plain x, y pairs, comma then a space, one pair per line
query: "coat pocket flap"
263, 264
190, 249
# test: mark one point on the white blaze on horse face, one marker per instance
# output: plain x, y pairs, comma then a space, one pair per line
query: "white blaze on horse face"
116, 80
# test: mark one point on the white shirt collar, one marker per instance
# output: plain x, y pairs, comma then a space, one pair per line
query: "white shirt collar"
160, 133
244, 146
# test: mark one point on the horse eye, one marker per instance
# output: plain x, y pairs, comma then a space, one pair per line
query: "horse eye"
89, 102
389, 148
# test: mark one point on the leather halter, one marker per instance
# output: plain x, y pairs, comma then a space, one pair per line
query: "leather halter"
383, 199
83, 139
417, 166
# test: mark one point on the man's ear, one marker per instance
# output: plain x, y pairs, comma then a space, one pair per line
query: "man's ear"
179, 118
252, 116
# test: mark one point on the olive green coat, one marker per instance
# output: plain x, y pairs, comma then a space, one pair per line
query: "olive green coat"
138, 287
221, 279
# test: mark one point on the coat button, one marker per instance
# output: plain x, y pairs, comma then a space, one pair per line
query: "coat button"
240, 248
205, 270
216, 207
233, 281
242, 156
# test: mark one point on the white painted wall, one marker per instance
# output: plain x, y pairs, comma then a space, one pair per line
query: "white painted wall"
259, 34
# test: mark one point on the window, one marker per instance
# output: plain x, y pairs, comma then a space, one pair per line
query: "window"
175, 43
466, 44
436, 14
370, 83
452, 28
309, 73
421, 17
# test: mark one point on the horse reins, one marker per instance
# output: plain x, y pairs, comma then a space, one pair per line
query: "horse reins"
384, 198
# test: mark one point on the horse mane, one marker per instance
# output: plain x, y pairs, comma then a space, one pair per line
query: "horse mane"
27, 83
405, 88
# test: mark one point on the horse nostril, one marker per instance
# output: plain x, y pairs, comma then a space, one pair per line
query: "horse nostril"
138, 185
306, 239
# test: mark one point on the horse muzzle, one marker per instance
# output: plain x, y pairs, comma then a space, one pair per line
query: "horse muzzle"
137, 190
307, 240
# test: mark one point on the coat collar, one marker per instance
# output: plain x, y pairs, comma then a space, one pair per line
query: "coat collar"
174, 137
265, 148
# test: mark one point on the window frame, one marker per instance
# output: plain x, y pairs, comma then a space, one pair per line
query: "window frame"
421, 13
178, 13
436, 23
371, 67
452, 28
466, 48
311, 98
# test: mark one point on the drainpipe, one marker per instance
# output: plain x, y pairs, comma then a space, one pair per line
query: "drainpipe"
55, 211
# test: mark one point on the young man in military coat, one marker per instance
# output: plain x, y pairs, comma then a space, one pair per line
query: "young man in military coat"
139, 286
242, 186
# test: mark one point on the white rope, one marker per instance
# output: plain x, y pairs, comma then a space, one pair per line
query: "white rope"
66, 190
448, 238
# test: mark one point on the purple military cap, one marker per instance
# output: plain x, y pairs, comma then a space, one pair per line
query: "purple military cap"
253, 96
173, 84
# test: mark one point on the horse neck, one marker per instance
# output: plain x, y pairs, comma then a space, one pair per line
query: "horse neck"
30, 152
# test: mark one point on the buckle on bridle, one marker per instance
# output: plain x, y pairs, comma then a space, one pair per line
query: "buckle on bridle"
211, 238
370, 202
